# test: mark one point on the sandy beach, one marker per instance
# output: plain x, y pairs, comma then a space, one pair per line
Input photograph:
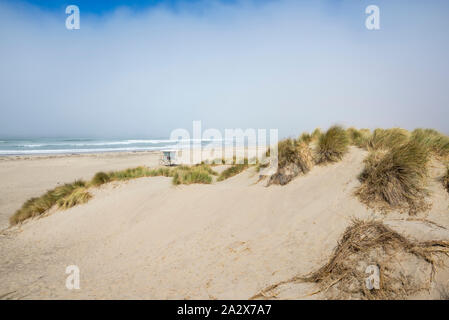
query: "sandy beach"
146, 238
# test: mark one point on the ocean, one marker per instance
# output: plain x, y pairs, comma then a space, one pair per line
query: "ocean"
77, 146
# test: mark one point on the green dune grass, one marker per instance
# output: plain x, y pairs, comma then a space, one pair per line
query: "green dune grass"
395, 178
332, 145
39, 205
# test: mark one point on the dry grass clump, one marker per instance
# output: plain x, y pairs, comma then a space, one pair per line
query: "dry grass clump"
39, 205
332, 145
366, 243
160, 172
395, 179
437, 143
138, 172
190, 175
78, 196
305, 137
294, 158
100, 178
208, 168
387, 138
358, 138
181, 175
234, 170
316, 134
287, 152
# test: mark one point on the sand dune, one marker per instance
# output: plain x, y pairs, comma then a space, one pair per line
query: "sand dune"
149, 239
25, 177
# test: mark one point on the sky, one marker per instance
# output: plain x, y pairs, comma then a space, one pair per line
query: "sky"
145, 68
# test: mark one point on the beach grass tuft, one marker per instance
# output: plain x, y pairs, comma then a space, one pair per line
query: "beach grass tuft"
294, 158
207, 168
134, 173
332, 145
316, 134
395, 178
200, 173
195, 174
78, 196
387, 138
100, 178
287, 152
232, 171
437, 143
357, 137
305, 137
39, 205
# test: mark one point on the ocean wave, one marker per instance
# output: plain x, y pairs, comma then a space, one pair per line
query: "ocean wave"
30, 145
93, 150
111, 143
60, 146
74, 151
125, 142
78, 139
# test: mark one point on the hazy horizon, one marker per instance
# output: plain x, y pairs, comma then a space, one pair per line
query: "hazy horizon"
147, 69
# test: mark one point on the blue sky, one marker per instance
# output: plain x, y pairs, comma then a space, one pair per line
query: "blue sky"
149, 68
101, 7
